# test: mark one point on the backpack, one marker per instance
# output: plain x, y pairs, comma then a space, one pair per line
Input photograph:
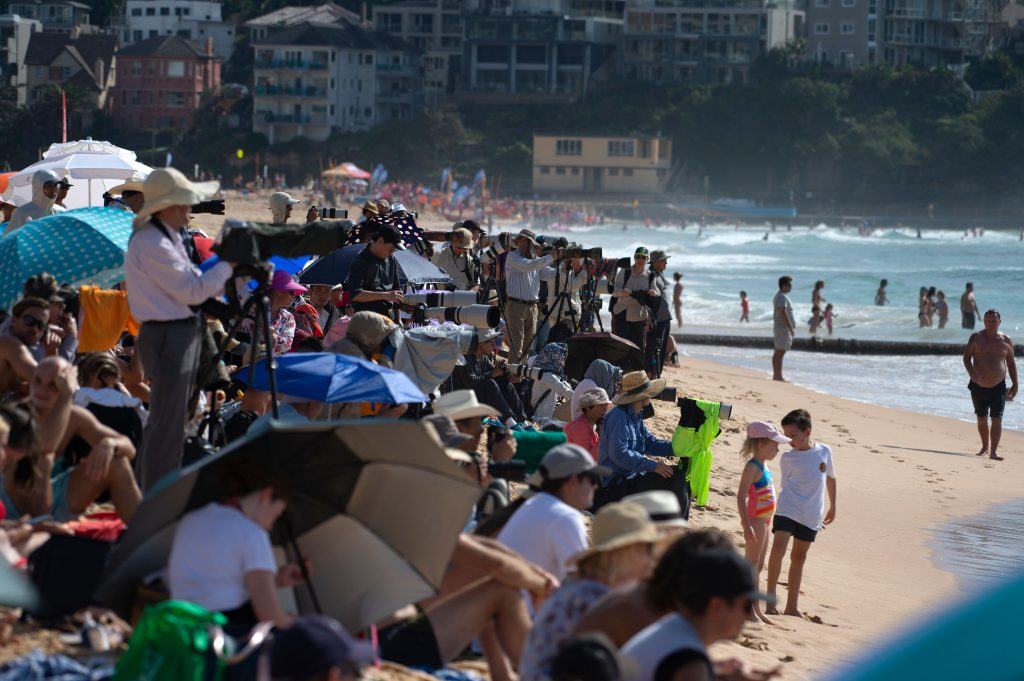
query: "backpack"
174, 641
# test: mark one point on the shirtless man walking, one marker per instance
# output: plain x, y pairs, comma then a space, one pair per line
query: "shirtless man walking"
988, 357
968, 307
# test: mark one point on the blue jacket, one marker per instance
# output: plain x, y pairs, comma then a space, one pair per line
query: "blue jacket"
625, 444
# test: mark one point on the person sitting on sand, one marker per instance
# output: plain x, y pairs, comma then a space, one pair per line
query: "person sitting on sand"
222, 558
623, 538
585, 429
33, 483
988, 357
755, 495
29, 320
600, 374
710, 602
806, 473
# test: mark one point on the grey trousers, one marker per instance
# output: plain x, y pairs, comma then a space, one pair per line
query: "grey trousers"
170, 358
521, 320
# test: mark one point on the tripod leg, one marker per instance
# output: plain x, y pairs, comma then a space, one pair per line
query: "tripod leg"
263, 311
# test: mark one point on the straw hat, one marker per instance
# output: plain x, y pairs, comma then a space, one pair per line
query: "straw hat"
462, 238
616, 525
166, 187
636, 386
462, 404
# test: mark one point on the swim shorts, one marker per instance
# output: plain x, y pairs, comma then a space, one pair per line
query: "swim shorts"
783, 524
988, 401
783, 339
411, 642
968, 320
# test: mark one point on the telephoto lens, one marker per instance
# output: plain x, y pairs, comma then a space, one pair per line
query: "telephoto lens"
480, 316
526, 371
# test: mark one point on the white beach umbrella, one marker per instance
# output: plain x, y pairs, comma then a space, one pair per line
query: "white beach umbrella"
92, 167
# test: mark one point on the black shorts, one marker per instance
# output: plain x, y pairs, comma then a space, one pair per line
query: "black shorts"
988, 401
783, 524
412, 643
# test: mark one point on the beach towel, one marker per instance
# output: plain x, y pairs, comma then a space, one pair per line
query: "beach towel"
37, 666
105, 316
696, 430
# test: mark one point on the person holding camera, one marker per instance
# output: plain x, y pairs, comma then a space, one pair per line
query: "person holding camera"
163, 284
489, 380
374, 280
564, 284
630, 286
457, 260
281, 204
657, 336
627, 447
522, 288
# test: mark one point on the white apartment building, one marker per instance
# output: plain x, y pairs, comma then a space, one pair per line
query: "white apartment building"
194, 20
15, 33
314, 78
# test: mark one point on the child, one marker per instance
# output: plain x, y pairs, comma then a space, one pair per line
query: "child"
677, 298
807, 473
744, 307
755, 496
829, 316
942, 307
815, 320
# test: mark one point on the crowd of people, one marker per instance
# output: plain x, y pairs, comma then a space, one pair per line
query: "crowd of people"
588, 571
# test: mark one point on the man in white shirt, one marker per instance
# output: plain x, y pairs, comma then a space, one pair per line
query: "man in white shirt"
522, 289
548, 529
162, 284
784, 325
457, 260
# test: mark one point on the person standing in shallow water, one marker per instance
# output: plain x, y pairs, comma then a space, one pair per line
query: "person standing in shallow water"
988, 357
880, 296
968, 307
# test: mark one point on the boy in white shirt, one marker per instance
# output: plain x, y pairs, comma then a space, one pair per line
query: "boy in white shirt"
806, 474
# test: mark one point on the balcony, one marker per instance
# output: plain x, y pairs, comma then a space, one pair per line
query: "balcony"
290, 65
284, 91
293, 119
398, 70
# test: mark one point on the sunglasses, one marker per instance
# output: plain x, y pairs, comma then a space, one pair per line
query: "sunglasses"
32, 322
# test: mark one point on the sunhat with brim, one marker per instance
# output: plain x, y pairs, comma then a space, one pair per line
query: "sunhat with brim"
462, 404
636, 386
446, 429
657, 256
484, 335
166, 187
763, 429
370, 207
462, 238
662, 508
132, 186
528, 235
616, 525
594, 397
283, 281
369, 329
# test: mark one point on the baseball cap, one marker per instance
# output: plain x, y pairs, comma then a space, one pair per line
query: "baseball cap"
568, 459
282, 199
312, 645
641, 251
594, 397
657, 256
762, 429
723, 573
389, 234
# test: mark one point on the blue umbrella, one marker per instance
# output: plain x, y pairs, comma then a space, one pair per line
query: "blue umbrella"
82, 246
289, 265
333, 268
330, 377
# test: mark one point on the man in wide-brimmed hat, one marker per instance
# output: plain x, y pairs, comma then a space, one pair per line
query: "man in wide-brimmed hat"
522, 288
629, 449
163, 286
131, 194
457, 260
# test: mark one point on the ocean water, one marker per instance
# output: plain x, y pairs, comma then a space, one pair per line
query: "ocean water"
721, 261
984, 548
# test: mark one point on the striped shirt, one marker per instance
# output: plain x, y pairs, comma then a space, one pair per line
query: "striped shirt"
522, 275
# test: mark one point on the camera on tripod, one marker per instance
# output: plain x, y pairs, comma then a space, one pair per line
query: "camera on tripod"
443, 298
479, 316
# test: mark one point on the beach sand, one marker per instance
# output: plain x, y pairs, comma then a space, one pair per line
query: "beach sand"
900, 476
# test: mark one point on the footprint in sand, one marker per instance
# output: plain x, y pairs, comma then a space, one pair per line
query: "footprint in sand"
787, 658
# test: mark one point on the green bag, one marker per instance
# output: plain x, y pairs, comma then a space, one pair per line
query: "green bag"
531, 446
174, 641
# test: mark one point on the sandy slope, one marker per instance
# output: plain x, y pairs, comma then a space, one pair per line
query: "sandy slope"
900, 476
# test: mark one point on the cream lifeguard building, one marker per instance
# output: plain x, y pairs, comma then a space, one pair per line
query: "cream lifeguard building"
634, 165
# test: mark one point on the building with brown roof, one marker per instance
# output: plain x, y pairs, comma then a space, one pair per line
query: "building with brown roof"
77, 59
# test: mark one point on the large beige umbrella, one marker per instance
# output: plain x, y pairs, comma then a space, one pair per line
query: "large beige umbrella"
375, 505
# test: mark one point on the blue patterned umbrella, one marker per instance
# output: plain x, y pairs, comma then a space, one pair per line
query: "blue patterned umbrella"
83, 246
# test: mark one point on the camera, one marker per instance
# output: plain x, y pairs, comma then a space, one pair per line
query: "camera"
508, 470
332, 213
213, 207
668, 394
479, 316
443, 298
588, 253
251, 243
526, 371
724, 408
495, 247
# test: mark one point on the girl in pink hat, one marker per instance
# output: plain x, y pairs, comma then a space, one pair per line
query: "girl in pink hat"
755, 496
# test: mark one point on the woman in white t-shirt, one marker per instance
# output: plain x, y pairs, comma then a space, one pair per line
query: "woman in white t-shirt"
222, 558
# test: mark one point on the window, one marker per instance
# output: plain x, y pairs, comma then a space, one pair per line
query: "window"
188, 10
613, 172
176, 99
621, 148
849, 3
136, 11
153, 34
821, 3
568, 148
175, 69
151, 11
134, 98
628, 172
136, 36
389, 22
575, 170
177, 11
136, 66
846, 29
368, 112
332, 109
560, 170
545, 170
185, 33
821, 29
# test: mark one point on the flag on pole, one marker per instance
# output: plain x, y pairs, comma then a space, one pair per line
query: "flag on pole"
63, 116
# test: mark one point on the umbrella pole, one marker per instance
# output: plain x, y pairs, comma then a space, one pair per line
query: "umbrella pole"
302, 563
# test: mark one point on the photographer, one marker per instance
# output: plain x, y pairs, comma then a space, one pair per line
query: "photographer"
281, 204
489, 380
457, 260
634, 315
657, 336
374, 280
563, 304
522, 286
550, 387
162, 283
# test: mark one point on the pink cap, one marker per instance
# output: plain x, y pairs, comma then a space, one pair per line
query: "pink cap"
761, 429
283, 281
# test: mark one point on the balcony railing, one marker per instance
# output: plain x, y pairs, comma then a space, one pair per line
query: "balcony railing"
279, 90
297, 64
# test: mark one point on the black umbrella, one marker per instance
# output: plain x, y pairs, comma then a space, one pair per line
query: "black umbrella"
333, 268
584, 348
375, 506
